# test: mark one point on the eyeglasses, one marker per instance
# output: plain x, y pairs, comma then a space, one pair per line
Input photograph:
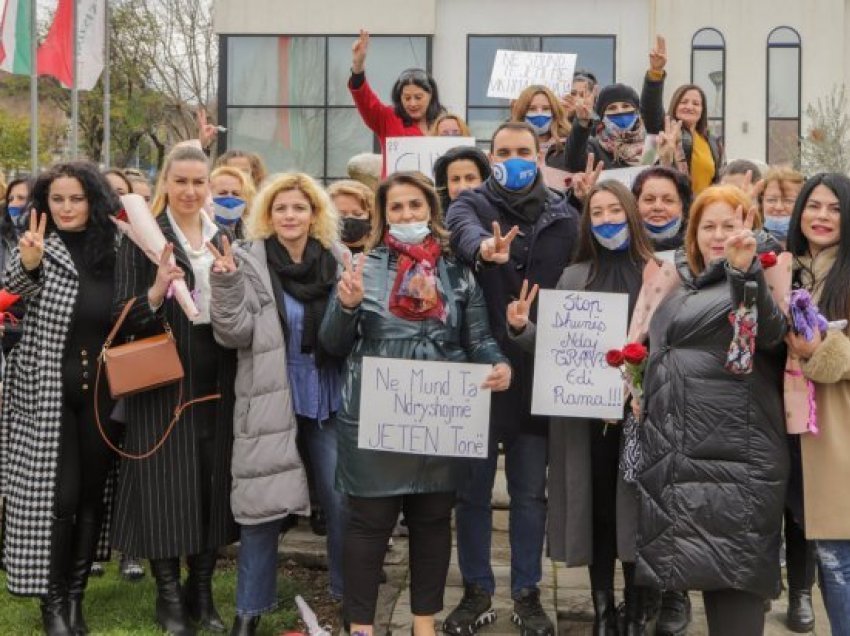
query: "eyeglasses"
776, 201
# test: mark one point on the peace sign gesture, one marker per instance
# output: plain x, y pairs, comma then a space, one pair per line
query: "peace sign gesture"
206, 130
223, 263
519, 309
741, 246
497, 248
658, 55
583, 182
31, 244
358, 52
350, 286
668, 141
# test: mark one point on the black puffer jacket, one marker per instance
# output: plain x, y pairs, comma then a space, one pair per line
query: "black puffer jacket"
715, 458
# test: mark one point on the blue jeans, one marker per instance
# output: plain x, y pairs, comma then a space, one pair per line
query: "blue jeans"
256, 582
525, 469
834, 559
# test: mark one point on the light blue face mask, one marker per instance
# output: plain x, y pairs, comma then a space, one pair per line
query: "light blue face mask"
515, 173
666, 231
612, 236
540, 123
778, 226
410, 233
622, 121
228, 210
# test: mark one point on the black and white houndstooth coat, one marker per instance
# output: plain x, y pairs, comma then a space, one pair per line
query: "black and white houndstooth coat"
31, 418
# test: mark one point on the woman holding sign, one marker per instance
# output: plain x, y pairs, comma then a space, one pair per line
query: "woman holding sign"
715, 459
407, 299
415, 107
584, 455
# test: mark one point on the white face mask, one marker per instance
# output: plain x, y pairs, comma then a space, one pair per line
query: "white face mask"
411, 233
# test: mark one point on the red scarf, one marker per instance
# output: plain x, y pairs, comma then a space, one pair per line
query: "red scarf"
416, 293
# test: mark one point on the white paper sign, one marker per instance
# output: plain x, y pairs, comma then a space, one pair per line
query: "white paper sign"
574, 331
513, 71
420, 153
626, 176
424, 408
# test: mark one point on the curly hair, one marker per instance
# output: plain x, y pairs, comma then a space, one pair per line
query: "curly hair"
324, 226
103, 203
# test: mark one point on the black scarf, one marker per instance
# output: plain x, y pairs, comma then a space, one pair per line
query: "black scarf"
309, 282
527, 204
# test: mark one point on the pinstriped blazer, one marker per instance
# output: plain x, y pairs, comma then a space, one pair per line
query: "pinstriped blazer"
158, 509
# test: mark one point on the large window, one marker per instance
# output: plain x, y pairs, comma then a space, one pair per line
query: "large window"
708, 71
286, 97
783, 96
484, 114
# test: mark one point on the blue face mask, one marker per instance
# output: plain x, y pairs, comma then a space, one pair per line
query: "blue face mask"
515, 173
623, 121
540, 123
612, 236
228, 210
778, 226
410, 233
666, 231
16, 213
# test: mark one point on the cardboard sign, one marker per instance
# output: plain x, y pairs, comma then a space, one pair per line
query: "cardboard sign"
574, 332
513, 71
626, 176
420, 153
425, 408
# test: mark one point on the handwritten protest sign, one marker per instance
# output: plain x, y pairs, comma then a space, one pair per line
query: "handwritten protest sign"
626, 176
420, 153
515, 70
574, 331
425, 408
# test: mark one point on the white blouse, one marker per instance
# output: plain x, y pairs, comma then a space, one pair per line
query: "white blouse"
202, 262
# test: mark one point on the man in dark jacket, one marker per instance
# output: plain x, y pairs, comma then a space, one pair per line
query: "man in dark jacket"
510, 228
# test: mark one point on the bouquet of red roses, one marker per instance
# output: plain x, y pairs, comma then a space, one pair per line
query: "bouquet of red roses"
631, 360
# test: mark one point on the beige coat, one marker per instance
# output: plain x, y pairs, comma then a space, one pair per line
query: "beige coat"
826, 456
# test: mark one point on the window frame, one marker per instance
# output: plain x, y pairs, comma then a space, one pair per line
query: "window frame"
712, 47
767, 117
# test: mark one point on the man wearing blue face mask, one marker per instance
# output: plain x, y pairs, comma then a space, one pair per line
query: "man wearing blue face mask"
510, 228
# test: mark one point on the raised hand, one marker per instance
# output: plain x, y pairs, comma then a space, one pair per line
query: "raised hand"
569, 103
350, 286
583, 182
741, 246
166, 273
497, 248
499, 378
206, 130
224, 262
31, 244
584, 109
358, 52
658, 55
519, 310
667, 141
753, 190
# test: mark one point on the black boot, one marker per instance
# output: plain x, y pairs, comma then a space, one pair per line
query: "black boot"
605, 613
637, 610
245, 625
171, 614
198, 592
801, 615
675, 614
54, 605
86, 534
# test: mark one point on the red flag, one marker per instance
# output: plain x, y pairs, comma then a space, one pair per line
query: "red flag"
55, 56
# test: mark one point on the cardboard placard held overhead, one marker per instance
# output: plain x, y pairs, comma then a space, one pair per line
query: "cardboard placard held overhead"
424, 407
574, 332
420, 153
513, 71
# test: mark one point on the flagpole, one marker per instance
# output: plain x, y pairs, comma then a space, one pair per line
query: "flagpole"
107, 87
33, 89
75, 95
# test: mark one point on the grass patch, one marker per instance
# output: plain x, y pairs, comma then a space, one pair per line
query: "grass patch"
114, 607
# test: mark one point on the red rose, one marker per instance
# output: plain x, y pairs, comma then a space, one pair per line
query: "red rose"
634, 353
768, 260
615, 358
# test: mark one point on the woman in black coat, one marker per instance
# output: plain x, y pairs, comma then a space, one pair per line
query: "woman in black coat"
715, 459
177, 501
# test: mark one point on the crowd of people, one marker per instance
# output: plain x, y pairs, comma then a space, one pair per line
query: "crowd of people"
293, 283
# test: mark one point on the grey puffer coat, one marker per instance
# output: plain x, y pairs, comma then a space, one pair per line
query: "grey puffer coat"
269, 480
715, 458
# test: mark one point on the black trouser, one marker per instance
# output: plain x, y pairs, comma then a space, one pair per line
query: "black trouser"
799, 556
370, 525
734, 613
604, 471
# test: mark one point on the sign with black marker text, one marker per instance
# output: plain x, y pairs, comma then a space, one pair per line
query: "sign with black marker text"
420, 153
513, 71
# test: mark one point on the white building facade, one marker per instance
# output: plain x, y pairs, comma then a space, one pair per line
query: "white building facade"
285, 63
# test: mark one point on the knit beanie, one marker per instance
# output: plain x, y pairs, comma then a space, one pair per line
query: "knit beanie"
616, 93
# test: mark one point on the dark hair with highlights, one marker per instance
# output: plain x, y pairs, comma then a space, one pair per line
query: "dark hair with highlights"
424, 185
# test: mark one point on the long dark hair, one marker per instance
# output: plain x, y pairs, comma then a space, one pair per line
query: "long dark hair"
588, 249
702, 123
99, 254
426, 187
7, 226
835, 297
422, 79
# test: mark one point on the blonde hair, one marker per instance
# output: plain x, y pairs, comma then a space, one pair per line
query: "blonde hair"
324, 227
360, 191
783, 175
464, 129
560, 128
732, 196
180, 153
258, 168
246, 184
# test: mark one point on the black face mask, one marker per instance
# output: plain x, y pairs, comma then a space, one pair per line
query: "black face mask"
354, 229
